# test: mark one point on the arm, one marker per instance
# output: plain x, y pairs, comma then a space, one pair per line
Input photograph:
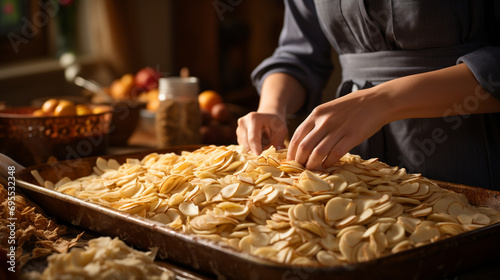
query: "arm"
301, 64
450, 91
335, 127
281, 95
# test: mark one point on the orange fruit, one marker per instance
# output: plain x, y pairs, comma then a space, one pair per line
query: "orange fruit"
122, 88
127, 81
208, 99
117, 90
50, 105
65, 108
83, 110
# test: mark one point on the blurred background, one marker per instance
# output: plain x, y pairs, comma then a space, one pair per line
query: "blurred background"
220, 41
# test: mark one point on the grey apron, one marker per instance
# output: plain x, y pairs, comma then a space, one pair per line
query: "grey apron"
453, 149
464, 149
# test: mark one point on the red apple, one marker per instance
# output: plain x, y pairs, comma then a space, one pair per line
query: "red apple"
221, 113
147, 78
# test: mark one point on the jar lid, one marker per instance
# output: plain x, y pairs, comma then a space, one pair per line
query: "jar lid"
172, 87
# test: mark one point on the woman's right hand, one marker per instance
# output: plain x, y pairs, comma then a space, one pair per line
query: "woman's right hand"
258, 131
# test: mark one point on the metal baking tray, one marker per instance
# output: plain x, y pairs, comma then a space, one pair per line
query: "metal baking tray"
441, 259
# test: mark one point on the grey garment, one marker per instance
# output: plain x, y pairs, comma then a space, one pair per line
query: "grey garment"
382, 40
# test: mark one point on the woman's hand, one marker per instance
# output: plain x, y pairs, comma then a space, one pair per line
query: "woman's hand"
335, 127
257, 131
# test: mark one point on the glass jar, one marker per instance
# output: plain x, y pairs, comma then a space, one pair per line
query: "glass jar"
178, 117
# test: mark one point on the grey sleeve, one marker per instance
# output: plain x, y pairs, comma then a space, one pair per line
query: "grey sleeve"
303, 52
485, 65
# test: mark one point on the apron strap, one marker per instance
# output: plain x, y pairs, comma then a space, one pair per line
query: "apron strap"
387, 65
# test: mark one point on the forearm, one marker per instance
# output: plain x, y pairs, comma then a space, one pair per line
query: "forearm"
282, 95
450, 91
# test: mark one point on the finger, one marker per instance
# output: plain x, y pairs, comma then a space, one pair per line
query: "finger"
343, 146
242, 136
265, 140
254, 135
254, 142
299, 134
277, 132
321, 151
278, 139
308, 145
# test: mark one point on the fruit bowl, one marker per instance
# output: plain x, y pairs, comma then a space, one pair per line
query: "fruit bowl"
31, 140
126, 117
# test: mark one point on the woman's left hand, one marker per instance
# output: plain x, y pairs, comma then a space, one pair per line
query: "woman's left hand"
334, 128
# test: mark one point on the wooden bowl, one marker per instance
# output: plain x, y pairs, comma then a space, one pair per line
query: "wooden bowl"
31, 140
